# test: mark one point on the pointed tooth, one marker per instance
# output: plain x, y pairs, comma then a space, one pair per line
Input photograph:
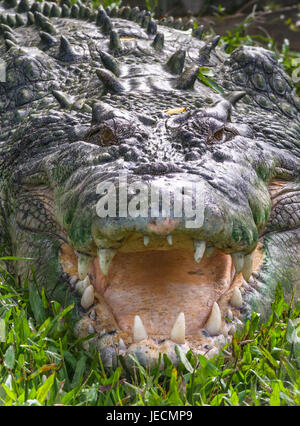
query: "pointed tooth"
238, 261
139, 332
146, 240
236, 298
214, 322
87, 298
84, 264
247, 268
105, 258
170, 239
178, 330
199, 249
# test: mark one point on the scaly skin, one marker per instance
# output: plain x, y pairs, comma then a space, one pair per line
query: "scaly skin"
88, 96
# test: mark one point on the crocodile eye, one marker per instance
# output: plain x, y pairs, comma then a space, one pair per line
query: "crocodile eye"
102, 135
106, 134
219, 135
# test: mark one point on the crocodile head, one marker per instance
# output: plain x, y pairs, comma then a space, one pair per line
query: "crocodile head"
164, 207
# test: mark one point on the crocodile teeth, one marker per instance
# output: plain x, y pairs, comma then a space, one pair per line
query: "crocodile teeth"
236, 298
199, 249
214, 322
146, 240
87, 298
105, 258
247, 268
80, 286
178, 330
170, 239
238, 261
84, 264
139, 332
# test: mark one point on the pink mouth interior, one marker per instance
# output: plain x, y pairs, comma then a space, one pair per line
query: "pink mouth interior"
159, 284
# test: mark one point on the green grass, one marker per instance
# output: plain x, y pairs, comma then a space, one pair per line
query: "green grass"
43, 363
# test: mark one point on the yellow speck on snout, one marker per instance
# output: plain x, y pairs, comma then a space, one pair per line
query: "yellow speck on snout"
172, 111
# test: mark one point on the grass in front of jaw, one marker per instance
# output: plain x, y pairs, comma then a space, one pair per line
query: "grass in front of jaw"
43, 363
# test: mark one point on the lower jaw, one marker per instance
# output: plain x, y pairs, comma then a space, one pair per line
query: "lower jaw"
157, 286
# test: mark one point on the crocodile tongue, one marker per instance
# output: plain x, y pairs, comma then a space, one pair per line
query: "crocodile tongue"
157, 285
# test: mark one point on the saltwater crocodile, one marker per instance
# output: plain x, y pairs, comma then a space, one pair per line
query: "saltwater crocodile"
96, 96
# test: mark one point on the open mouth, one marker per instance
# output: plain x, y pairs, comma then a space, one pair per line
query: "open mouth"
157, 292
